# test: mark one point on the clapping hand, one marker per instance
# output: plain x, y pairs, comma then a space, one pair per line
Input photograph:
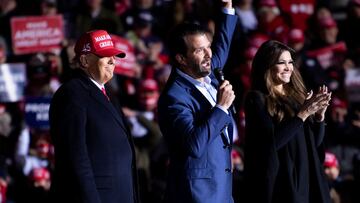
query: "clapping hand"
316, 104
320, 114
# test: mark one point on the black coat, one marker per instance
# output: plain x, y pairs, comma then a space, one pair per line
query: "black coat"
94, 154
283, 161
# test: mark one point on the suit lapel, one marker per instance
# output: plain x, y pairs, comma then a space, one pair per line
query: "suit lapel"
97, 95
189, 87
100, 98
205, 103
230, 130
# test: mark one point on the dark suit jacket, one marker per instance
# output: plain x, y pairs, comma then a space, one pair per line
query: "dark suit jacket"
200, 165
94, 155
283, 161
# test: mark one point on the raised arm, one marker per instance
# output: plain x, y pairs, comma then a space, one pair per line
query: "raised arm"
224, 31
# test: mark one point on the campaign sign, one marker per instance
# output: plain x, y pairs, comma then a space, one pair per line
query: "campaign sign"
32, 34
124, 66
352, 84
12, 82
37, 112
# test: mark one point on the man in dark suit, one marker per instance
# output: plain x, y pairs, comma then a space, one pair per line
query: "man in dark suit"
194, 116
94, 154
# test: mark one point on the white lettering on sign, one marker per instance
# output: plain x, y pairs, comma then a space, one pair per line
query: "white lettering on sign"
51, 41
50, 32
36, 25
106, 44
102, 37
16, 77
41, 107
26, 43
42, 116
302, 8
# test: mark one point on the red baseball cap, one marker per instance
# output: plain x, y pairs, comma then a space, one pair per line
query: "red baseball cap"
339, 103
39, 174
327, 22
268, 3
149, 84
97, 42
330, 160
296, 35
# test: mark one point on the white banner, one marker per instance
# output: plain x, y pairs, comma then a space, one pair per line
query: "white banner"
12, 82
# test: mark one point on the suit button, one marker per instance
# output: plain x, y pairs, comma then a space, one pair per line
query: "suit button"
228, 170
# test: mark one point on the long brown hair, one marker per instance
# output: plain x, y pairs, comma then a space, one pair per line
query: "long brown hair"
279, 106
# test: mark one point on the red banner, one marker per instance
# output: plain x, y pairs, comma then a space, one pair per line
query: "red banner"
32, 34
124, 66
329, 55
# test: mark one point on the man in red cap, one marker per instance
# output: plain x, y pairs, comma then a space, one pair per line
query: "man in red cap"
94, 153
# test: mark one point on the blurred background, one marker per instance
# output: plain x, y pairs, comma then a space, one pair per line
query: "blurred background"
36, 50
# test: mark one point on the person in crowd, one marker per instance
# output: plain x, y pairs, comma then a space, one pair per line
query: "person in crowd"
270, 20
349, 30
3, 189
5, 130
38, 185
284, 131
296, 40
194, 114
332, 172
3, 50
94, 15
145, 132
8, 9
297, 12
94, 153
244, 9
48, 7
29, 157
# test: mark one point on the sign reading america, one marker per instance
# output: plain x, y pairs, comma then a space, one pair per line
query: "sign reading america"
32, 34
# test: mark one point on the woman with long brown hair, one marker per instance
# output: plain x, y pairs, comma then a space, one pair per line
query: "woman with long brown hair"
284, 131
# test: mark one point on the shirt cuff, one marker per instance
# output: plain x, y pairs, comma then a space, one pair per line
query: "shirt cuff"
222, 108
229, 11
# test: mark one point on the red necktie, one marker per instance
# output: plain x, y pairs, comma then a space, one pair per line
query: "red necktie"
104, 92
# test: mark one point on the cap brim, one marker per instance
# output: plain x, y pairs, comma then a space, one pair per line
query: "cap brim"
111, 52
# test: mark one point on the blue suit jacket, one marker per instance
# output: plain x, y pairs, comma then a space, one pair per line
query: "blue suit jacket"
200, 165
94, 153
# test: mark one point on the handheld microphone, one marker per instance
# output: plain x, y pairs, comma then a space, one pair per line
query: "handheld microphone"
220, 77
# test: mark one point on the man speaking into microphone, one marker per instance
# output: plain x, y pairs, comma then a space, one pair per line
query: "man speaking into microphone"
194, 116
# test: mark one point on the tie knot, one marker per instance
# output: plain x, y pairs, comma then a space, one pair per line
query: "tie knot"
104, 92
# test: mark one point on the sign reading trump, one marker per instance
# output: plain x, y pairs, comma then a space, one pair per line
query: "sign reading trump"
32, 34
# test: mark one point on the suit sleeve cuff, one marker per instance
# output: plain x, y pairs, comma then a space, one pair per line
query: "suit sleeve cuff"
223, 109
229, 11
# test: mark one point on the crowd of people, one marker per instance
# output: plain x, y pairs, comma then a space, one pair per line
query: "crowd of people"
324, 35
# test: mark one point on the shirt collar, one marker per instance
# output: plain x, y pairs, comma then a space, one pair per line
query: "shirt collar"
97, 84
207, 79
